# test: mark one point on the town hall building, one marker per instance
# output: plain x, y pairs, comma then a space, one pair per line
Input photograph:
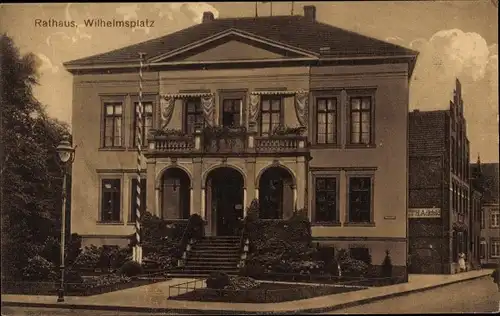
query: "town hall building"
284, 109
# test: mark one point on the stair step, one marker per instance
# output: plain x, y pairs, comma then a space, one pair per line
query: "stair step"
192, 264
206, 272
218, 251
217, 243
213, 259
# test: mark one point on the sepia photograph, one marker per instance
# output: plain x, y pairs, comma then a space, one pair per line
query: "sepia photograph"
313, 157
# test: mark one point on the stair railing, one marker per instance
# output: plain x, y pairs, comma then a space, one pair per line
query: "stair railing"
186, 243
244, 244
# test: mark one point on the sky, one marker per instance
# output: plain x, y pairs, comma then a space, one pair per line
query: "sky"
456, 39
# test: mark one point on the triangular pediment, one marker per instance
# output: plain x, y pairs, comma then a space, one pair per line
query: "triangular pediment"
233, 45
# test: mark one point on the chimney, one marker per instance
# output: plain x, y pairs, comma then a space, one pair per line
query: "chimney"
207, 17
310, 12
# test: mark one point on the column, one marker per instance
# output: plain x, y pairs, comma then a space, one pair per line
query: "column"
157, 204
191, 205
250, 189
244, 202
295, 198
203, 212
301, 183
151, 188
196, 186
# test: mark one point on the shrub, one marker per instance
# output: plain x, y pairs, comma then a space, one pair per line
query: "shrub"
387, 265
253, 269
89, 257
253, 210
131, 269
72, 276
353, 267
241, 283
73, 248
197, 225
39, 269
218, 280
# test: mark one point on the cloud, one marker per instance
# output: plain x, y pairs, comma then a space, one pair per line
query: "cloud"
46, 64
194, 10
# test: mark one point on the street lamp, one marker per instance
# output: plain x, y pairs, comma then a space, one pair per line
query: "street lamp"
67, 155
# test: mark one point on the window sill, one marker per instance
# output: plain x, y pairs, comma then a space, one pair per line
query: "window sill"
112, 148
325, 146
109, 223
350, 224
327, 224
360, 146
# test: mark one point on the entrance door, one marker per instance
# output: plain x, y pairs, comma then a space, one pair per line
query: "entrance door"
226, 201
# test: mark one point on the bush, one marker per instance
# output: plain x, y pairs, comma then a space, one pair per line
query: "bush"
253, 270
387, 265
218, 280
131, 269
253, 211
89, 257
354, 268
197, 226
39, 269
73, 248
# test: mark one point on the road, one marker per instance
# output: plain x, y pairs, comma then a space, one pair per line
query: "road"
480, 296
32, 311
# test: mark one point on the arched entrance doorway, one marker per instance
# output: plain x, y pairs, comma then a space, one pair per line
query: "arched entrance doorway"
175, 194
224, 201
276, 196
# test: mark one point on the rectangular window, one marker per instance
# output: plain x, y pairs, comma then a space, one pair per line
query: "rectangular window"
360, 120
193, 114
494, 219
360, 199
147, 121
270, 115
113, 128
326, 120
133, 202
495, 248
110, 200
326, 200
482, 250
231, 112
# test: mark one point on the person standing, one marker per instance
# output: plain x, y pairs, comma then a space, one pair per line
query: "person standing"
496, 276
461, 262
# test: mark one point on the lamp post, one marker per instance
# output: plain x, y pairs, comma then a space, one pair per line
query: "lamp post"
66, 155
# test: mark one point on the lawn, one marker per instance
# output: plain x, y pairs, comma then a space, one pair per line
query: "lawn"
264, 293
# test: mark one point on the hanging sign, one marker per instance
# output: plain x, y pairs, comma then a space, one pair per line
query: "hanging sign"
424, 212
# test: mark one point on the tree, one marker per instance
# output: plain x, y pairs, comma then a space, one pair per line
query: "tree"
30, 171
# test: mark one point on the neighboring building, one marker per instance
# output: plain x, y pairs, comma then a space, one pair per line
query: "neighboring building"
438, 188
348, 92
490, 215
476, 194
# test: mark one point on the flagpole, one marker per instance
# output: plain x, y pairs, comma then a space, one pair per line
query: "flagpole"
271, 8
256, 14
137, 253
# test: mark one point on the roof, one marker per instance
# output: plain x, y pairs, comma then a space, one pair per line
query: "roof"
296, 31
490, 172
426, 132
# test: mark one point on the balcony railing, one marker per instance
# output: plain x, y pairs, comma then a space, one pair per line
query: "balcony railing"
237, 141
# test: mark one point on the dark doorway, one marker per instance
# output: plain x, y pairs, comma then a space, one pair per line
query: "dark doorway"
224, 201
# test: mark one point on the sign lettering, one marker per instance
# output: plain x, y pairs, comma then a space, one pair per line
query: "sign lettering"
424, 212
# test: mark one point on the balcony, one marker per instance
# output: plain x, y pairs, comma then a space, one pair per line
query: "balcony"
226, 141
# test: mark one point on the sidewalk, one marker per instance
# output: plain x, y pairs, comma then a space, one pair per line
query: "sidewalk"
153, 298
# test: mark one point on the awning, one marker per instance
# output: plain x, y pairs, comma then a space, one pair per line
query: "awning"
188, 95
276, 92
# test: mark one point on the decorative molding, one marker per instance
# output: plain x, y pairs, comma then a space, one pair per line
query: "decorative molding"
208, 105
254, 108
167, 104
302, 107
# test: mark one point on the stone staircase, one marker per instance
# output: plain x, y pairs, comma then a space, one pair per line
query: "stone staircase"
211, 254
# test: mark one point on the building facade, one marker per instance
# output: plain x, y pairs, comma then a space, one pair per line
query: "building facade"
476, 196
490, 215
239, 109
439, 191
